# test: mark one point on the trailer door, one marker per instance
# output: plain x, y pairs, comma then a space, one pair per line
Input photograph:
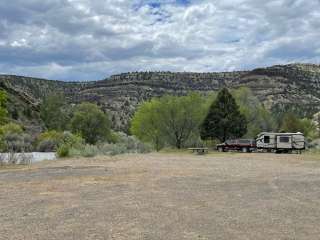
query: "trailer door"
284, 142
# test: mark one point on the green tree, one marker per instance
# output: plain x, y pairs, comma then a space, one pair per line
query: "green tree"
3, 107
290, 123
145, 124
259, 119
90, 122
169, 120
309, 128
181, 118
224, 119
55, 112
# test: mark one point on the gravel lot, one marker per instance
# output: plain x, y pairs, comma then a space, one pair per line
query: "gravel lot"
163, 196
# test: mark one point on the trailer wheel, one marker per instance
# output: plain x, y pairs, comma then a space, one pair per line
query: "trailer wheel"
220, 149
244, 150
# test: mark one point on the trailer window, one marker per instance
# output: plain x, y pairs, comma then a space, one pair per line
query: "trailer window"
284, 139
266, 139
230, 142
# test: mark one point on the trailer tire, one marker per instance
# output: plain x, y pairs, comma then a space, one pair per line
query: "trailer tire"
220, 149
244, 150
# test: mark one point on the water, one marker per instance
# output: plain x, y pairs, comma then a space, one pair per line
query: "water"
29, 157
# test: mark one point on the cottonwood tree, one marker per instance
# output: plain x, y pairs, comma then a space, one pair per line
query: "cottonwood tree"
91, 123
290, 123
55, 112
224, 119
145, 124
169, 120
259, 119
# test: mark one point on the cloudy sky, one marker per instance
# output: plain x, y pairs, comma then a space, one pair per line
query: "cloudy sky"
92, 39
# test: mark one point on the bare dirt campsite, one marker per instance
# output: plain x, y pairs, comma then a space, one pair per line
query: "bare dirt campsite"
163, 196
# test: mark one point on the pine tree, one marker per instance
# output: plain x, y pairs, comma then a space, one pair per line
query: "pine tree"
224, 119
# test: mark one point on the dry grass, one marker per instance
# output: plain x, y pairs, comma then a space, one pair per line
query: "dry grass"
163, 196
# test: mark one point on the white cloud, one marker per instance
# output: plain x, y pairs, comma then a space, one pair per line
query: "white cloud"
91, 39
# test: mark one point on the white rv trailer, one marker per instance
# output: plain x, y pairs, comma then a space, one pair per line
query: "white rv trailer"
281, 142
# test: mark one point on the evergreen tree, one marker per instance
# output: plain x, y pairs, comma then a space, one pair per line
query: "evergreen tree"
224, 119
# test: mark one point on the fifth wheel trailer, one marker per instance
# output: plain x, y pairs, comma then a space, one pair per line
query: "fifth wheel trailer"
281, 142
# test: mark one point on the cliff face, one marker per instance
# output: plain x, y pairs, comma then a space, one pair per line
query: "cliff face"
295, 87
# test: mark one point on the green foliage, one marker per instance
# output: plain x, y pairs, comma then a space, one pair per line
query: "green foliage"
146, 123
47, 146
55, 112
114, 137
91, 123
52, 140
51, 135
49, 141
291, 123
17, 143
258, 118
224, 119
309, 128
125, 144
11, 128
169, 120
3, 107
90, 151
13, 139
72, 140
63, 151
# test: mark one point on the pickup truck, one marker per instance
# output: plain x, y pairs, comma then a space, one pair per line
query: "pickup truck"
243, 145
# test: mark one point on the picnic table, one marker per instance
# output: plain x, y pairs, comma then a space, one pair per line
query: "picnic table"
199, 150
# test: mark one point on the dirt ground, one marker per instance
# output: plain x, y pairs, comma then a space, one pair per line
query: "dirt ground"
163, 196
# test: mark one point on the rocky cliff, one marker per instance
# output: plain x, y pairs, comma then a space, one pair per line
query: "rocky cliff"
295, 87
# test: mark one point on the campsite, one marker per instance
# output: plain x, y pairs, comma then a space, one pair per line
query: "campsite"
159, 120
163, 196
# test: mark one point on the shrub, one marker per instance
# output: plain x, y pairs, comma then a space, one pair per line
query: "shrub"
315, 144
52, 135
63, 151
114, 137
17, 142
90, 151
84, 151
72, 140
125, 144
52, 140
113, 149
48, 145
11, 128
49, 141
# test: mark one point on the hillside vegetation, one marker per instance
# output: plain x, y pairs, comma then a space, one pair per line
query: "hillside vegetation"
294, 87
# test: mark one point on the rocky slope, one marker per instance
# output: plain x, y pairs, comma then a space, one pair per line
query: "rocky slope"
295, 87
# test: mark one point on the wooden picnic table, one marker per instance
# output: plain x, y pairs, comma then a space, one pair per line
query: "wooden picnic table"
199, 150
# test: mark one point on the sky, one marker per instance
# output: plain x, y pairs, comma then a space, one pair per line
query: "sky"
93, 39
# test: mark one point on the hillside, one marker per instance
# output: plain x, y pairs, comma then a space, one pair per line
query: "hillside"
281, 87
